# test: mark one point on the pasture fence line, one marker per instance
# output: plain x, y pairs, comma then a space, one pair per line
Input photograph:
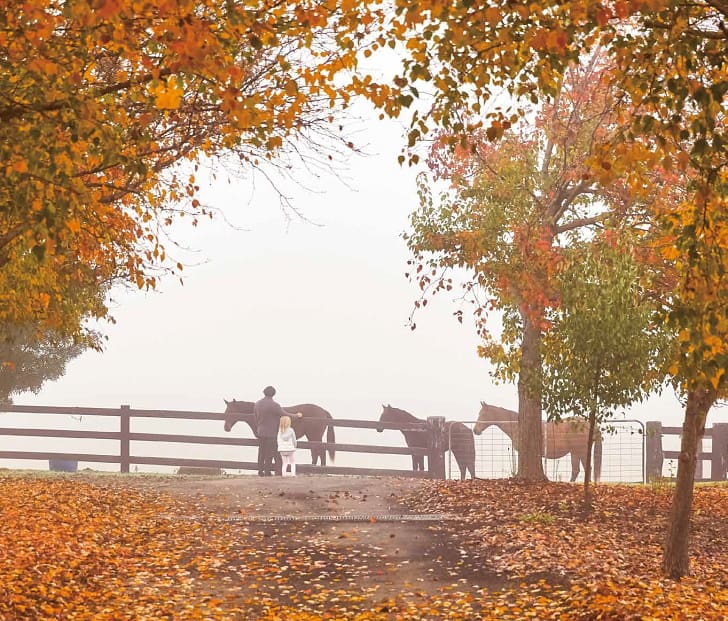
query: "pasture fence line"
651, 459
125, 436
656, 455
622, 452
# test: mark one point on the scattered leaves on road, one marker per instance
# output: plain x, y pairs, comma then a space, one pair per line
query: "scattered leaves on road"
72, 548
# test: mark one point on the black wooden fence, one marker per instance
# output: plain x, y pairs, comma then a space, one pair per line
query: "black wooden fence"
125, 436
718, 455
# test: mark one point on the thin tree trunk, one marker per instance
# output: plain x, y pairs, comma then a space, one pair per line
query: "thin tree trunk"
676, 560
588, 465
530, 439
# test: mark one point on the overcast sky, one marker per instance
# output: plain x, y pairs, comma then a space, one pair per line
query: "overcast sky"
316, 308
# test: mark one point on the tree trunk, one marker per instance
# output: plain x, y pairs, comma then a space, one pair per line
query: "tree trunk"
530, 439
675, 560
588, 464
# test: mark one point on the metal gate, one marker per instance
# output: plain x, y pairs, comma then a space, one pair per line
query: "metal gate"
623, 455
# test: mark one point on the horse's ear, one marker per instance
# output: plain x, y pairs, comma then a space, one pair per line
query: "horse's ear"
482, 403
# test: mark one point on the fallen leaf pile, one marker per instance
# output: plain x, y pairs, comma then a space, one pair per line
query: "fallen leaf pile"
74, 549
603, 564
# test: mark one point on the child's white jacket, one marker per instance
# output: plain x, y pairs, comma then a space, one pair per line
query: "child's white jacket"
287, 440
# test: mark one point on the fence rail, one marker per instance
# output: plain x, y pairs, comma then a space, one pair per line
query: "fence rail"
655, 454
125, 436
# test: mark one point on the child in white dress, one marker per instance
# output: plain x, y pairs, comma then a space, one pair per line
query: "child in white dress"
287, 445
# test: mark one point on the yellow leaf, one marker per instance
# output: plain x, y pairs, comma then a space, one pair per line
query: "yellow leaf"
492, 16
169, 97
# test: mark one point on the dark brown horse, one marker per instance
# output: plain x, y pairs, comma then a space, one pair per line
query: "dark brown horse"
458, 436
413, 437
568, 436
312, 425
462, 444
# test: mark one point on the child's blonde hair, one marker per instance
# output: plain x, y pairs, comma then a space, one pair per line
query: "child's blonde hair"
285, 423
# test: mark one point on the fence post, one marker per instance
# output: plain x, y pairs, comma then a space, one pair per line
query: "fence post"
436, 457
654, 456
719, 460
124, 418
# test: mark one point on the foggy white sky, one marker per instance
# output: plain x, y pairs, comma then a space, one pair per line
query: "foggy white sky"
319, 311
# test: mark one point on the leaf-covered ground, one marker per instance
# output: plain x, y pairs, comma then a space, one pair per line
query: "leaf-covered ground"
109, 548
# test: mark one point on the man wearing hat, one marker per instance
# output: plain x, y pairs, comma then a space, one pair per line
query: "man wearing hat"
267, 418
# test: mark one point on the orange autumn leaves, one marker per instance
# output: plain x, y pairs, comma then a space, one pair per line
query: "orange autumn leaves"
74, 548
107, 103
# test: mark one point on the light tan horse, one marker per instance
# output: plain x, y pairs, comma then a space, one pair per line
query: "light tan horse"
568, 436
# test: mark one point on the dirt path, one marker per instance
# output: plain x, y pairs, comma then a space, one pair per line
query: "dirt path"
347, 528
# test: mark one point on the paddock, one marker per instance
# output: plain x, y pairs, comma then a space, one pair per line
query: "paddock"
135, 440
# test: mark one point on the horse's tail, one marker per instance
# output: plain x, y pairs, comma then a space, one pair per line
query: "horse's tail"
331, 438
597, 456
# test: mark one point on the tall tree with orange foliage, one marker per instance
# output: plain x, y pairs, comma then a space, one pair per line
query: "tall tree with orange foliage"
669, 80
505, 217
105, 101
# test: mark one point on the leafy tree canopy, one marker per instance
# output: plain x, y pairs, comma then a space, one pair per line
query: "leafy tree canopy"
30, 358
669, 79
510, 207
608, 347
102, 101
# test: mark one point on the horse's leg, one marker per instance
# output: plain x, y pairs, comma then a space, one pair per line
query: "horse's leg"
320, 438
575, 461
314, 451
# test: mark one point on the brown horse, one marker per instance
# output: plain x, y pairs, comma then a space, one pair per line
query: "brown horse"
462, 444
568, 436
312, 425
461, 441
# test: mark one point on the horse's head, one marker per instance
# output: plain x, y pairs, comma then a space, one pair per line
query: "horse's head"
233, 409
484, 419
492, 415
386, 416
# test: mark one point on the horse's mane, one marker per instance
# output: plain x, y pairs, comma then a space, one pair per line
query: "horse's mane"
498, 411
243, 407
404, 413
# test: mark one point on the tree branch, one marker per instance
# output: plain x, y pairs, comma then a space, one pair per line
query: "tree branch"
581, 222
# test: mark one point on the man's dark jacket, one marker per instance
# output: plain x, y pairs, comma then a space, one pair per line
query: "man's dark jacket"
267, 417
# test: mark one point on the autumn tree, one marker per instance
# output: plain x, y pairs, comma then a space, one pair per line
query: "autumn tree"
33, 352
669, 79
505, 216
32, 358
107, 105
607, 347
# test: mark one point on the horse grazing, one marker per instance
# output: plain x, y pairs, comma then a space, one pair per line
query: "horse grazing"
312, 425
462, 443
568, 436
